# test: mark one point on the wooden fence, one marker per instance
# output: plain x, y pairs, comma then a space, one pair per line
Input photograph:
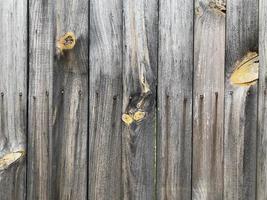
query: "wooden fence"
142, 107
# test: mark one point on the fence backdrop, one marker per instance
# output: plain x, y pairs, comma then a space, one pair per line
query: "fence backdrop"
141, 108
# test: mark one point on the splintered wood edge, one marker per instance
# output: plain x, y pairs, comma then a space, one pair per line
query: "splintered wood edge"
246, 71
10, 158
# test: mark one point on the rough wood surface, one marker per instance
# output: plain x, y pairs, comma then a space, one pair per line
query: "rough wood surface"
105, 99
139, 95
58, 99
240, 104
262, 105
13, 97
207, 175
41, 53
175, 70
145, 110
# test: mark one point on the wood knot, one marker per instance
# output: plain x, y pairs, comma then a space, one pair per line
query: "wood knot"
129, 118
246, 70
218, 5
66, 42
10, 158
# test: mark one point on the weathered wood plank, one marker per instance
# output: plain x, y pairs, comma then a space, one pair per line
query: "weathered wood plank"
262, 100
70, 104
208, 109
58, 101
105, 99
175, 99
240, 104
13, 97
41, 53
139, 97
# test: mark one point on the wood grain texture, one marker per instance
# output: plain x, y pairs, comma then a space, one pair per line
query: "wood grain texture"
240, 104
262, 100
58, 99
105, 99
70, 104
139, 75
207, 175
41, 53
13, 97
175, 99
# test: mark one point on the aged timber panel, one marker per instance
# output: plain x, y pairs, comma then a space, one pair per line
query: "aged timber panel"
70, 104
58, 101
262, 106
105, 99
240, 104
175, 70
139, 97
13, 97
209, 55
41, 53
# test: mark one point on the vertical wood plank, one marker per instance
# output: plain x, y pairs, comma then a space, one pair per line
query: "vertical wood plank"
209, 55
40, 108
262, 100
13, 97
175, 99
240, 104
58, 99
105, 99
139, 96
70, 104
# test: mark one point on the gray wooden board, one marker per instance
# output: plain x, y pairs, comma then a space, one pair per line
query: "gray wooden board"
240, 104
140, 68
105, 99
262, 100
13, 89
58, 99
175, 69
41, 53
208, 109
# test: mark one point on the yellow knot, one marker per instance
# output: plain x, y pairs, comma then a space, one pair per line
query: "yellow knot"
138, 116
246, 72
127, 119
66, 42
10, 158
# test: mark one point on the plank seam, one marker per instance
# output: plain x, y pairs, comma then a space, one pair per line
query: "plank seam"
27, 97
192, 97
